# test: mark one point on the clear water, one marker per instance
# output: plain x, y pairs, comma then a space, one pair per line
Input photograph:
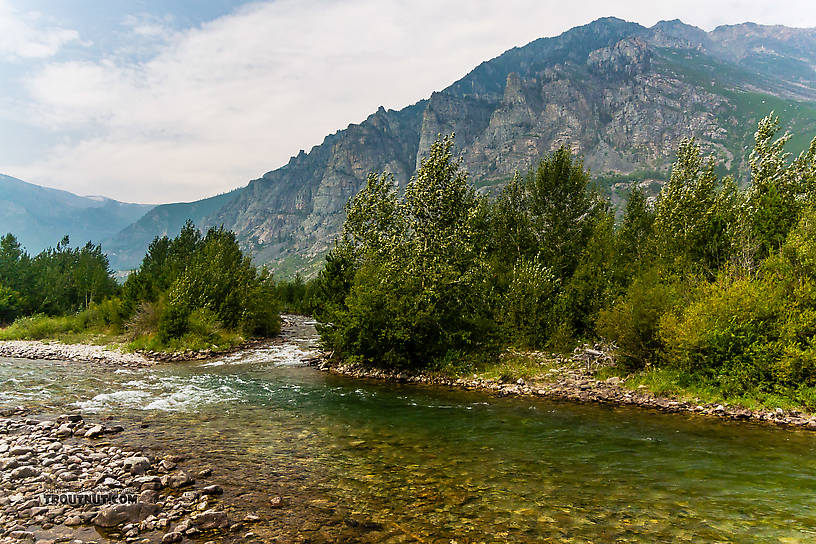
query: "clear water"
373, 462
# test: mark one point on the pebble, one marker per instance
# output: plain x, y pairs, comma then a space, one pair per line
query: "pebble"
37, 457
35, 349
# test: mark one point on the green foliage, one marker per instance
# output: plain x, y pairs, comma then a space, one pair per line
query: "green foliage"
192, 272
528, 311
632, 322
778, 190
10, 303
173, 322
727, 333
189, 290
596, 280
97, 319
297, 296
202, 330
57, 281
562, 207
695, 215
405, 287
633, 241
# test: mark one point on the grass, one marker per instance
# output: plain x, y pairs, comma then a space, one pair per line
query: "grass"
534, 366
70, 329
192, 341
527, 365
667, 382
86, 328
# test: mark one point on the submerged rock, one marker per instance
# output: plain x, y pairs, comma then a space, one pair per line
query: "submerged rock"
210, 519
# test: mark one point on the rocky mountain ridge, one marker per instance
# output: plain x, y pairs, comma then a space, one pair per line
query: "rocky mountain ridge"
621, 95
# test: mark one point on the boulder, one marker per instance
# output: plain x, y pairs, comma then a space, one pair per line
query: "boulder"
64, 430
94, 431
212, 490
210, 519
26, 471
137, 465
118, 514
178, 479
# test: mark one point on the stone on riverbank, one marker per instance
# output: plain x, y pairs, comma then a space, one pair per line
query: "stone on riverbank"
119, 514
38, 458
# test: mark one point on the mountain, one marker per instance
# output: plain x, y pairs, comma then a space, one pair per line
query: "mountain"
621, 95
126, 248
39, 217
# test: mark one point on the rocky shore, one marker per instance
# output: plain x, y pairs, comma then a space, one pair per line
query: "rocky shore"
35, 349
61, 481
56, 351
574, 381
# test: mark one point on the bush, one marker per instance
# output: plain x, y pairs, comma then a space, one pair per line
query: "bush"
145, 320
527, 314
633, 320
108, 314
173, 322
10, 304
729, 333
38, 327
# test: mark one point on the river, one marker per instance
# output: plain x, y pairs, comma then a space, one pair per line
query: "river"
365, 461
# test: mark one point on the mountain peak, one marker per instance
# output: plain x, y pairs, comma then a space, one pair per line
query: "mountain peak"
619, 94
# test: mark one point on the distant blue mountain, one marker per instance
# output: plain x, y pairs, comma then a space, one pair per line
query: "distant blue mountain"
39, 217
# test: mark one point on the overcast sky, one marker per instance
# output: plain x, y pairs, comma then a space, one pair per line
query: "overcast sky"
155, 101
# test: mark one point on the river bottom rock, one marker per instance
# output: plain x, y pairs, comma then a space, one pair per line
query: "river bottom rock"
58, 480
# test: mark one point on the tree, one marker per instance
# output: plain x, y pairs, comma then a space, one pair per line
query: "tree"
695, 213
778, 190
563, 209
416, 266
635, 231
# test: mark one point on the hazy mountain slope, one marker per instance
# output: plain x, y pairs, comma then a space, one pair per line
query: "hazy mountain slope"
40, 216
619, 94
297, 210
127, 247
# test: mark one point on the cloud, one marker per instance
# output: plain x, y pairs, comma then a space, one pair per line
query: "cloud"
26, 36
222, 103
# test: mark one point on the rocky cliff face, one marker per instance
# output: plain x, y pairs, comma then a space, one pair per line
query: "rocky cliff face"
619, 94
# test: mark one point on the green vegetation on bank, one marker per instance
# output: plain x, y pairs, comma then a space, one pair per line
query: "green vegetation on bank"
709, 288
191, 292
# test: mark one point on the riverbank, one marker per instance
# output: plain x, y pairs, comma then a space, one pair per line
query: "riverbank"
57, 351
573, 379
62, 480
111, 350
112, 354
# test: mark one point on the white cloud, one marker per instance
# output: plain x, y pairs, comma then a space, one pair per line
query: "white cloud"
23, 35
225, 102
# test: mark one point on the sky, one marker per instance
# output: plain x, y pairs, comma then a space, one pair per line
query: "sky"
159, 101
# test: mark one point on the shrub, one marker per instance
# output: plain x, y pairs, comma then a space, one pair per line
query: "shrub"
527, 313
633, 320
145, 320
728, 333
173, 322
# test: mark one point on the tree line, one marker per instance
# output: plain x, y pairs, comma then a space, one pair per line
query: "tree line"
192, 291
710, 279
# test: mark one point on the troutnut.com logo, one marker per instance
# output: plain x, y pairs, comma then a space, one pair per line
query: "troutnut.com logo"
78, 498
